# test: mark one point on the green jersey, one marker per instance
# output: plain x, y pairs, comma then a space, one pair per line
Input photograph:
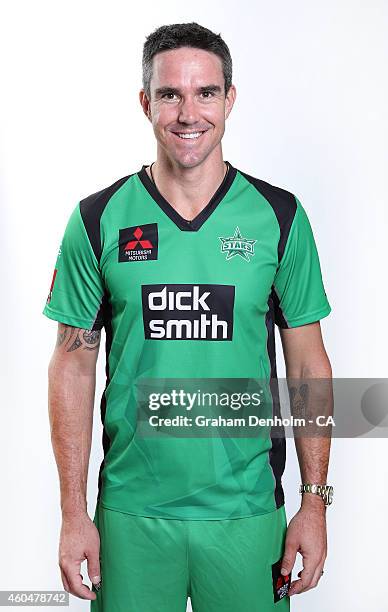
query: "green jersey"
183, 299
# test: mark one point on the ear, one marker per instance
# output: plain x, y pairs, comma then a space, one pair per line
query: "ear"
145, 104
229, 100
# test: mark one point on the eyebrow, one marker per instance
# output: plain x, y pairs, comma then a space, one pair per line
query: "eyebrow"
163, 90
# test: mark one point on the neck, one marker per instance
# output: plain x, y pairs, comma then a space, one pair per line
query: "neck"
188, 189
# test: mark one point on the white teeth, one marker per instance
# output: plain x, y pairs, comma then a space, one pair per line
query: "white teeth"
192, 135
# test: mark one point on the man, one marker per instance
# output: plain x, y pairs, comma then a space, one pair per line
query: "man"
187, 264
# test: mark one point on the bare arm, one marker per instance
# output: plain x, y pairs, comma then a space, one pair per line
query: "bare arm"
305, 357
71, 392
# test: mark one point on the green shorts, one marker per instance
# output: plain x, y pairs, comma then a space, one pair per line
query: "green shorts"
155, 564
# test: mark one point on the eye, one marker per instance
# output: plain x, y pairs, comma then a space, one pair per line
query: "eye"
170, 93
208, 92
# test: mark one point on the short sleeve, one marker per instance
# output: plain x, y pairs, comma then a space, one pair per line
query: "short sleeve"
77, 288
299, 293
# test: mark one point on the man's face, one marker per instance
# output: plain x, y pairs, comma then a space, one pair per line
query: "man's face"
187, 97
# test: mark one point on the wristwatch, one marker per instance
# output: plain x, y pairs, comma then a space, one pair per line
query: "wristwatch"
324, 491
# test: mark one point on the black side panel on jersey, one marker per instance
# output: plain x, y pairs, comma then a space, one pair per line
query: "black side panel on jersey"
105, 438
278, 313
277, 453
99, 320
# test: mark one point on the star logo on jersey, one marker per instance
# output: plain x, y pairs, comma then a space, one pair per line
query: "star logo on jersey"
237, 245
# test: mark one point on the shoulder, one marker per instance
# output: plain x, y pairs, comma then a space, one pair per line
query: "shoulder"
92, 207
283, 203
96, 202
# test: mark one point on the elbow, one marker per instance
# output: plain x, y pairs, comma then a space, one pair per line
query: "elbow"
317, 368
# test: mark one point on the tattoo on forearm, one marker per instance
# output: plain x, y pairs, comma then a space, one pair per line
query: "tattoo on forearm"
88, 339
299, 400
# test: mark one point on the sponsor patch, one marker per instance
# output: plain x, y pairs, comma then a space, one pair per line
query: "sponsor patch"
138, 243
281, 584
188, 312
52, 286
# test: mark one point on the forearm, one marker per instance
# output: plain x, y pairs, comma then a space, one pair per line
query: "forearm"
71, 400
314, 385
313, 456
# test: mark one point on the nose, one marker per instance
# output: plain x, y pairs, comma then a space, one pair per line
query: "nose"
188, 110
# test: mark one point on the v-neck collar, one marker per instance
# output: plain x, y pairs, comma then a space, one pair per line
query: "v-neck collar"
184, 224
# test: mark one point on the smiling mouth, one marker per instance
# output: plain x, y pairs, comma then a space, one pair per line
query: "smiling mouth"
189, 136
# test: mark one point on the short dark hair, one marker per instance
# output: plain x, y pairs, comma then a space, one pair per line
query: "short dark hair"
179, 35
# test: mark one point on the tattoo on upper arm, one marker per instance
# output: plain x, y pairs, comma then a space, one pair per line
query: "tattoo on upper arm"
62, 333
73, 338
92, 339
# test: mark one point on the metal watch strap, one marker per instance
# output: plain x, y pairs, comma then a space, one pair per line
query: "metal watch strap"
324, 491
